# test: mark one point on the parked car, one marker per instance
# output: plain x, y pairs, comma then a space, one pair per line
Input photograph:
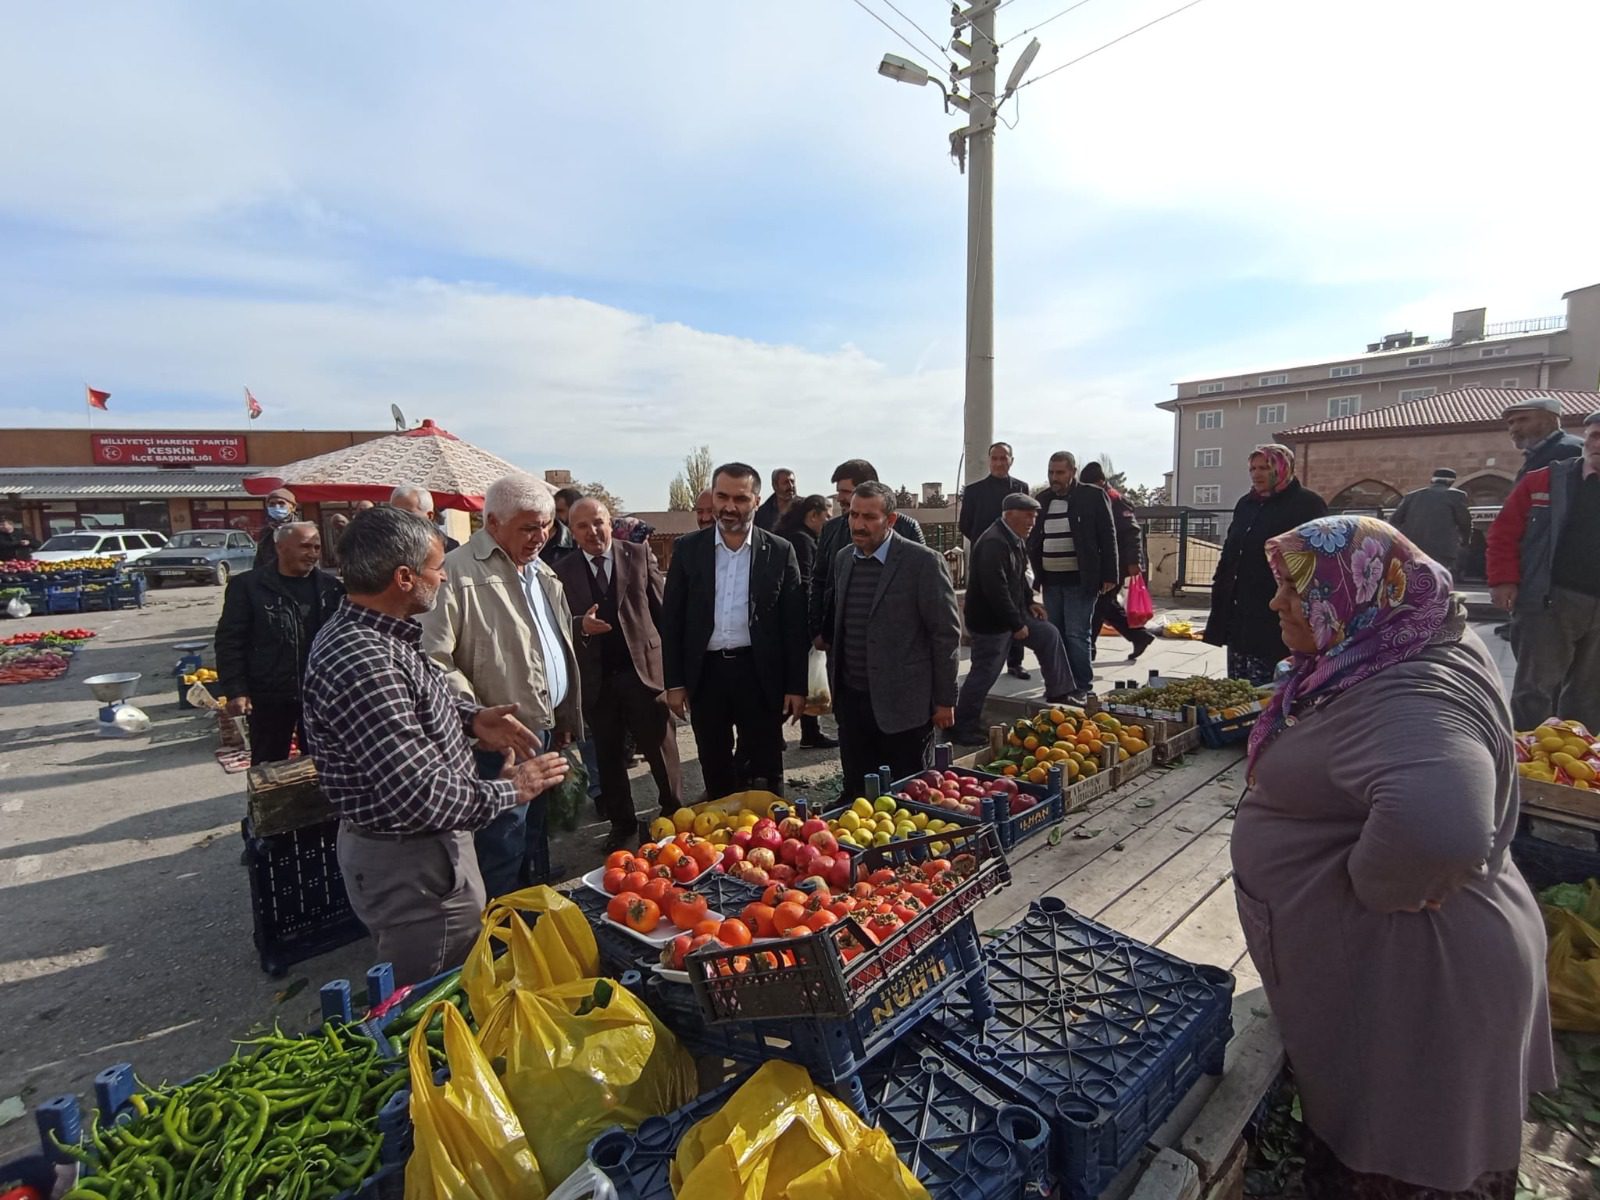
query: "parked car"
130, 545
206, 555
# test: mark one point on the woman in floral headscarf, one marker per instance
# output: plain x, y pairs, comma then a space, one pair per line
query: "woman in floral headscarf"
1241, 592
1401, 951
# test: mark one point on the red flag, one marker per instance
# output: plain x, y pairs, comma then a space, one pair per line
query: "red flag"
97, 399
252, 405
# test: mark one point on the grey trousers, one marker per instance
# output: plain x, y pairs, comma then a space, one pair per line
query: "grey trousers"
421, 898
1558, 661
989, 652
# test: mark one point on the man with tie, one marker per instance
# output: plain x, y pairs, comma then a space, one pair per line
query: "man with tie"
733, 637
895, 638
617, 586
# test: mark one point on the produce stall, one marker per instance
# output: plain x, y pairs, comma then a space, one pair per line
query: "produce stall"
71, 585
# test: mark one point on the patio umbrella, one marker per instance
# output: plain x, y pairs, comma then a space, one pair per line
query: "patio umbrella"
456, 472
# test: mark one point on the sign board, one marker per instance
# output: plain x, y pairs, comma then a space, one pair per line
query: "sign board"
168, 450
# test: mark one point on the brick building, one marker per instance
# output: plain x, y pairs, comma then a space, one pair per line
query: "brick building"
1370, 459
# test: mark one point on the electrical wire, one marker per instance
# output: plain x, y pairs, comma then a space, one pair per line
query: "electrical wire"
1106, 45
1043, 23
914, 48
937, 47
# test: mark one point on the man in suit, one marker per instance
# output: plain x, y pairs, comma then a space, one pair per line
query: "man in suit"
1436, 518
733, 637
895, 636
980, 508
616, 586
776, 506
847, 476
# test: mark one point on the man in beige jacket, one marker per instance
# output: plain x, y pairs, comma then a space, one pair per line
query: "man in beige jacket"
502, 631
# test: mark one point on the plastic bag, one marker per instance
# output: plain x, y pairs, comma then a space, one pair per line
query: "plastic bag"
819, 698
1573, 962
18, 607
559, 947
780, 1136
580, 1058
564, 802
1140, 607
469, 1144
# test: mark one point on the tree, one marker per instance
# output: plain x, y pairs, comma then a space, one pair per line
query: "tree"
1146, 497
904, 497
688, 483
937, 500
1115, 479
597, 491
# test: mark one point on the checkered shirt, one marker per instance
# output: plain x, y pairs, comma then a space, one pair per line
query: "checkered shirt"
388, 736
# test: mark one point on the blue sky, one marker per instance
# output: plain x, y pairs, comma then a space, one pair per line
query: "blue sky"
594, 236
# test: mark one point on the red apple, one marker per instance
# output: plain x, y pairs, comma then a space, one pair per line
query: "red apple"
1021, 803
917, 790
951, 777
824, 841
763, 857
814, 825
931, 778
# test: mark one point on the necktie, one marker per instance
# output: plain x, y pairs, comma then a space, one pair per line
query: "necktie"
599, 567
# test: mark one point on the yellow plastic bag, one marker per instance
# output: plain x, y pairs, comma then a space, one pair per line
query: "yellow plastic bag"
558, 948
579, 1058
469, 1143
780, 1137
1573, 963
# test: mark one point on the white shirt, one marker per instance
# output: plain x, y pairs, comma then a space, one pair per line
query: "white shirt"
730, 614
550, 647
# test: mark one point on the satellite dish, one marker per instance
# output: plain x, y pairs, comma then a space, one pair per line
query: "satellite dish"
399, 417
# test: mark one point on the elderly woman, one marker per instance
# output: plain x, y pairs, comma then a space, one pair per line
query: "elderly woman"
1241, 592
1401, 950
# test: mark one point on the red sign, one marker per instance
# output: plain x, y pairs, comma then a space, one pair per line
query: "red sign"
168, 450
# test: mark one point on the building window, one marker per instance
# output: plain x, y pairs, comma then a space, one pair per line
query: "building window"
1415, 393
1419, 360
1272, 380
1208, 458
1343, 406
1513, 382
1271, 414
1494, 352
1208, 389
1345, 371
1210, 418
1208, 493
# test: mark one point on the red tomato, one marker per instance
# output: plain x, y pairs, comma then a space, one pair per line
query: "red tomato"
643, 915
687, 911
617, 909
612, 879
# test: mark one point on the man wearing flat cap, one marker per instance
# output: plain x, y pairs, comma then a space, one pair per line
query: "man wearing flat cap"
1436, 518
1544, 569
1002, 609
1535, 428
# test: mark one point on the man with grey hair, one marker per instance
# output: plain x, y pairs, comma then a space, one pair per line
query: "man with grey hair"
1534, 424
502, 631
269, 617
390, 742
414, 498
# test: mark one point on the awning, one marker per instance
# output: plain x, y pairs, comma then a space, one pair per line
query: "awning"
115, 483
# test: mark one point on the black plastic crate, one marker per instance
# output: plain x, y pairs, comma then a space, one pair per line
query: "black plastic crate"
1545, 863
1102, 1034
297, 895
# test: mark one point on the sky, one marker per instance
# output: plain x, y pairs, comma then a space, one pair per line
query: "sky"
596, 236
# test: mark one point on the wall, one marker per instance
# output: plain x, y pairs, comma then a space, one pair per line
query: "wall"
1405, 461
47, 448
1582, 374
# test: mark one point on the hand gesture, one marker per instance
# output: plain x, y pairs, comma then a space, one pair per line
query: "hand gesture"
498, 729
538, 775
593, 625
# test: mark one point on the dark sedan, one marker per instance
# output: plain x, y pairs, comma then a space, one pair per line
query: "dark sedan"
206, 555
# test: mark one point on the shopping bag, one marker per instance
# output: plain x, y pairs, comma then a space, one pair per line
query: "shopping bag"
1572, 961
780, 1137
558, 947
579, 1058
819, 697
1140, 607
468, 1143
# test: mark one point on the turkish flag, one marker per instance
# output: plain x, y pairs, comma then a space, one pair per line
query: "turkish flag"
252, 405
97, 399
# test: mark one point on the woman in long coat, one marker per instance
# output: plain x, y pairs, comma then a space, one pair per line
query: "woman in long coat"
1401, 950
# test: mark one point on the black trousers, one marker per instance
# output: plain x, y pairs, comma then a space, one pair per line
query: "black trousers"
273, 725
625, 706
729, 701
1014, 657
863, 747
1108, 610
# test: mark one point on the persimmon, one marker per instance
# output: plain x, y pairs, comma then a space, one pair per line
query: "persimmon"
643, 915
634, 881
706, 926
618, 858
734, 932
757, 917
786, 916
687, 911
657, 890
617, 909
612, 879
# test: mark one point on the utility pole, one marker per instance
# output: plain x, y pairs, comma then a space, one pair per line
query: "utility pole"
978, 138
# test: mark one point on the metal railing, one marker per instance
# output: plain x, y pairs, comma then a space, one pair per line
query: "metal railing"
1183, 545
1527, 325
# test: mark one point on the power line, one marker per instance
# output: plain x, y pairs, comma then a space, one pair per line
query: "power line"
939, 48
1107, 45
914, 49
1043, 23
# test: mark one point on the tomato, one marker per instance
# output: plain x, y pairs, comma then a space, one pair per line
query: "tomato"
734, 933
617, 909
634, 881
704, 853
786, 916
687, 911
820, 919
670, 855
757, 917
935, 867
657, 890
618, 859
612, 879
643, 915
685, 869
672, 953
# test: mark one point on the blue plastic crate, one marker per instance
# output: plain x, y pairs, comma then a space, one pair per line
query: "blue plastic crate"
1101, 1033
1049, 810
618, 951
63, 599
297, 896
639, 1164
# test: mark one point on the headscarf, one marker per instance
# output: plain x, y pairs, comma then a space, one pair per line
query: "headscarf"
1373, 600
1281, 460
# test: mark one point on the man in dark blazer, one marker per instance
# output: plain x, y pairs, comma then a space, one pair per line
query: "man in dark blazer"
733, 637
895, 638
614, 590
980, 509
836, 533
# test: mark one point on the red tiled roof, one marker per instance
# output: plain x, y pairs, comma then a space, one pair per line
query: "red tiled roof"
1461, 407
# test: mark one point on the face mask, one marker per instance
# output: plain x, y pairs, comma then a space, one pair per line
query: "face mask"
277, 511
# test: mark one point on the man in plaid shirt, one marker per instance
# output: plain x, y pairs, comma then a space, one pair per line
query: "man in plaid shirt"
390, 742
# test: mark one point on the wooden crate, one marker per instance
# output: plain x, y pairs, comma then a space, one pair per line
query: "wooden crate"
285, 796
1558, 801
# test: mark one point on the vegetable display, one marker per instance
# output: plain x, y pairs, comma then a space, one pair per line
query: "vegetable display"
28, 566
285, 1117
1220, 698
